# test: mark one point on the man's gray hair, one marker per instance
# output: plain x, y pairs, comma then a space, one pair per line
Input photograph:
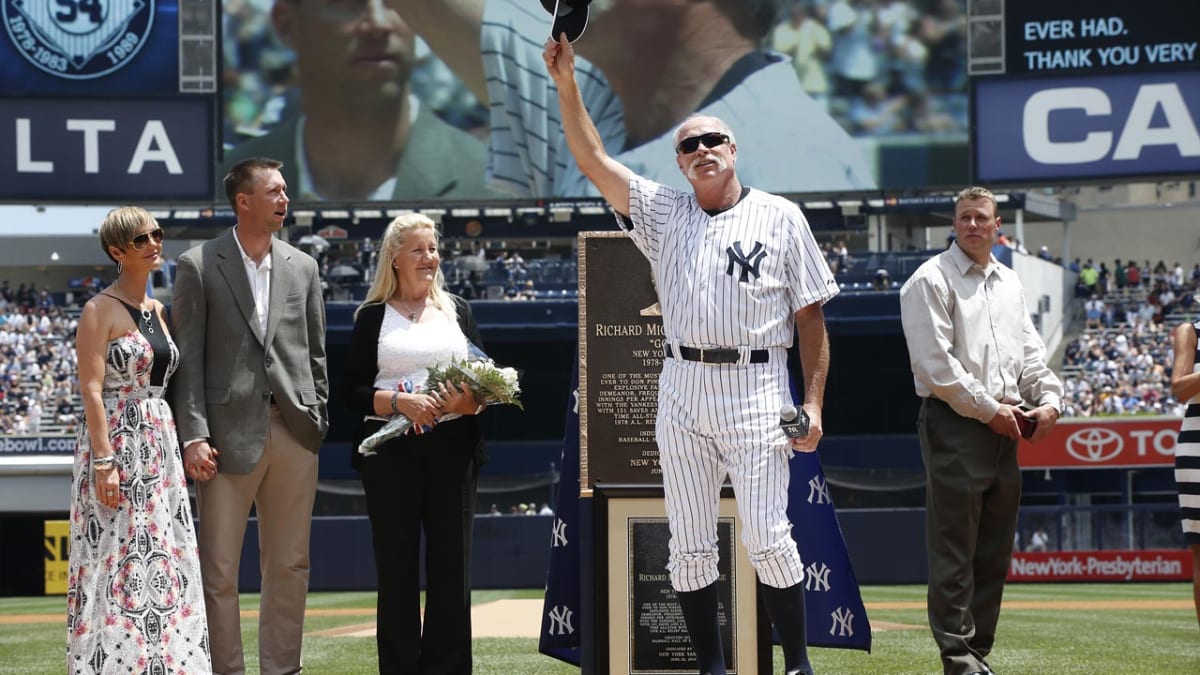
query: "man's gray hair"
724, 128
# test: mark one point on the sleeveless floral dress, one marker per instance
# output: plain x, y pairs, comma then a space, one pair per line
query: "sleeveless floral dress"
135, 603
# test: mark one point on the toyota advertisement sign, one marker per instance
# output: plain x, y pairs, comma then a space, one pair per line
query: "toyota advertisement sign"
1103, 442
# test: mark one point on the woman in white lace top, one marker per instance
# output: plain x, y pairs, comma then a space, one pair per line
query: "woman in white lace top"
425, 480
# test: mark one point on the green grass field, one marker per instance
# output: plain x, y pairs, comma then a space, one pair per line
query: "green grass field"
1045, 629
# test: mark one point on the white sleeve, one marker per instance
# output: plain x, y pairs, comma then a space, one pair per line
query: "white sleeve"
651, 206
811, 279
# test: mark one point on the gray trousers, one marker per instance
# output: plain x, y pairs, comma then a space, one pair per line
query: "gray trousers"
972, 494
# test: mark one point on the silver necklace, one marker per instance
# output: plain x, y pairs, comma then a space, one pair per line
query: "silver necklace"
407, 311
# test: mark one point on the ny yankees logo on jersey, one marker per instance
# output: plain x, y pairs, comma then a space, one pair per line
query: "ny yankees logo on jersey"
749, 262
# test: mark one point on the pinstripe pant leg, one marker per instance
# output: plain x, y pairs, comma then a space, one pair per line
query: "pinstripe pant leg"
756, 454
692, 477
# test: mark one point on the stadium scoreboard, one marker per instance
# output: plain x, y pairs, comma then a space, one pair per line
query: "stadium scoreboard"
1063, 91
108, 100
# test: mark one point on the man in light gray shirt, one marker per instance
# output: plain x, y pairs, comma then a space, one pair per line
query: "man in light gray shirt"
976, 357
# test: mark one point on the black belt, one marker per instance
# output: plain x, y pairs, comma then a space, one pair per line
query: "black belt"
719, 355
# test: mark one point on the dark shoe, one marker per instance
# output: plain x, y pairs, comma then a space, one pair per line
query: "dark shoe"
700, 615
786, 609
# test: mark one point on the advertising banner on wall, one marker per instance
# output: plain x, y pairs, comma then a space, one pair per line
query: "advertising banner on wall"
105, 150
107, 101
1097, 566
1103, 442
1075, 128
36, 445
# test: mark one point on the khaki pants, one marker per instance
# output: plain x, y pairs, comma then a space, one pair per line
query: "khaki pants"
282, 488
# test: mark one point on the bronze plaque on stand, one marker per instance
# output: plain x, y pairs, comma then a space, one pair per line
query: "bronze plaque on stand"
647, 635
620, 357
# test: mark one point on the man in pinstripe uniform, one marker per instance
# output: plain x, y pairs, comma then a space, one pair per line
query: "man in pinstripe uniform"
736, 268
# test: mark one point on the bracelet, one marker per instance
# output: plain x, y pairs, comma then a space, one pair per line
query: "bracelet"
106, 463
395, 410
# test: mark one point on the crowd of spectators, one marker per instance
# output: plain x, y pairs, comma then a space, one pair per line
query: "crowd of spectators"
38, 381
1121, 363
509, 275
1099, 279
1120, 371
881, 67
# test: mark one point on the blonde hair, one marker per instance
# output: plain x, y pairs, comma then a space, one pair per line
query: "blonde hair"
120, 226
385, 285
975, 193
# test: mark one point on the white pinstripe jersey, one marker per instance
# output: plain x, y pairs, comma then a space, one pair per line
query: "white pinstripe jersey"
730, 280
785, 139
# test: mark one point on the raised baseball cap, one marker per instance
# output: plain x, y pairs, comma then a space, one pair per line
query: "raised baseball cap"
570, 17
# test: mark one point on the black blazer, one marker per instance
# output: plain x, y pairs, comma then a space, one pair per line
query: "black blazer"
362, 365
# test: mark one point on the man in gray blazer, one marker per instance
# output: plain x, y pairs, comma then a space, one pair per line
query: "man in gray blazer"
250, 404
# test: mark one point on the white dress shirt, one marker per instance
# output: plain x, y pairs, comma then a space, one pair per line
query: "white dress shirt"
971, 342
259, 276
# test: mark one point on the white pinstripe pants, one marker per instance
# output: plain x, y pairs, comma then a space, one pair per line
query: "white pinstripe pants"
715, 419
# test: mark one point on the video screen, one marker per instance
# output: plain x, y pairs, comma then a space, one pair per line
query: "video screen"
412, 100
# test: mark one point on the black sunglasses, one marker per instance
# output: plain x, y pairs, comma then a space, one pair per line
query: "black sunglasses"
139, 242
710, 140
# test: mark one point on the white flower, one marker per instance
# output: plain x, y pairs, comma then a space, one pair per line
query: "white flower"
510, 377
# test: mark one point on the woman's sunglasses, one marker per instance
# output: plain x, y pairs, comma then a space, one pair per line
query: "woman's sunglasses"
710, 140
139, 242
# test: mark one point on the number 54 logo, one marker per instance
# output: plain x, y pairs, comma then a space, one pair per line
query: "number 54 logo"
78, 39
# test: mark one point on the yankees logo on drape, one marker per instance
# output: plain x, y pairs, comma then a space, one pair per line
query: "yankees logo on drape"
560, 636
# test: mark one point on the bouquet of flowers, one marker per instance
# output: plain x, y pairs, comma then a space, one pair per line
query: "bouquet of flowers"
488, 382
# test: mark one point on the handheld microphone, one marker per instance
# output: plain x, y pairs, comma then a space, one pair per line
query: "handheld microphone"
793, 421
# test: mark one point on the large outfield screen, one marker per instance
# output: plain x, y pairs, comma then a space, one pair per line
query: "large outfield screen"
1084, 91
107, 100
821, 96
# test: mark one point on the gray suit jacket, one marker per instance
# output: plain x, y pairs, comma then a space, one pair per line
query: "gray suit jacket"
438, 160
228, 370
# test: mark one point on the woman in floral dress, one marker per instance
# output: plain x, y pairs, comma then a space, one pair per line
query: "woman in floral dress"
135, 603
